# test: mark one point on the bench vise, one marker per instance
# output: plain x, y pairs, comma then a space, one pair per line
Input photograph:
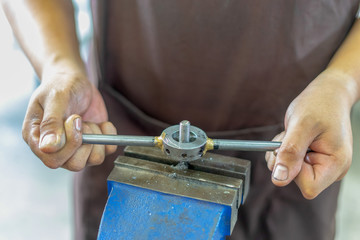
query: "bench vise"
169, 187
152, 196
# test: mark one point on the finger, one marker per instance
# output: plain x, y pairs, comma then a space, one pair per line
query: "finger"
268, 156
291, 154
317, 173
78, 161
52, 134
108, 128
73, 142
271, 156
97, 154
88, 154
31, 125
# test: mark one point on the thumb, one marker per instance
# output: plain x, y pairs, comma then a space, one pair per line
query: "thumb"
291, 154
52, 134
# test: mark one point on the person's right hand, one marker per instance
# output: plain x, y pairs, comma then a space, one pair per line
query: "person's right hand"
63, 107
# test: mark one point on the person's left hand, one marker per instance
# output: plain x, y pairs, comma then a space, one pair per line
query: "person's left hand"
319, 119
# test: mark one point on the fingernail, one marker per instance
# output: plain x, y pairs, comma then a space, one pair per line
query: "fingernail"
49, 139
78, 124
280, 173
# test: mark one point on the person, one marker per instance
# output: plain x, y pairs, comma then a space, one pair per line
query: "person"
233, 68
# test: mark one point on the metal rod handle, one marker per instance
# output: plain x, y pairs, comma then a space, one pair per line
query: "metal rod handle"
245, 145
120, 140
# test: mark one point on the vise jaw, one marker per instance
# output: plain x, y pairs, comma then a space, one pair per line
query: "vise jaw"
152, 196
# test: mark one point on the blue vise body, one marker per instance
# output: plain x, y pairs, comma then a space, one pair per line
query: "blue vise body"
150, 197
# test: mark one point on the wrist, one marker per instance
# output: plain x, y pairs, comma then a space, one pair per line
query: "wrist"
345, 85
61, 65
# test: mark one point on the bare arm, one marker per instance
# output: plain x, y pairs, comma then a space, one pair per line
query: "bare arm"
66, 104
45, 30
346, 62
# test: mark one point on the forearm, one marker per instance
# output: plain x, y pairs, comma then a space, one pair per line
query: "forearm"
346, 63
45, 30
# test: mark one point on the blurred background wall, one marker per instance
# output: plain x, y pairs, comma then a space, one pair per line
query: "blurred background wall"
36, 202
